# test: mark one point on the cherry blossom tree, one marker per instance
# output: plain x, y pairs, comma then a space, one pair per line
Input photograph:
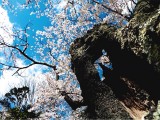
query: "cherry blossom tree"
69, 19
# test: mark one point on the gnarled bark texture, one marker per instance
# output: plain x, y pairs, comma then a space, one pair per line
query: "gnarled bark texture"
134, 50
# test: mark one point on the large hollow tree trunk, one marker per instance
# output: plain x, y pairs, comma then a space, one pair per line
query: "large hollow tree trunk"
134, 50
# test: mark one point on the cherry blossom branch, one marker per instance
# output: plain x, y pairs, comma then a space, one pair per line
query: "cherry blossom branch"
114, 11
22, 52
73, 104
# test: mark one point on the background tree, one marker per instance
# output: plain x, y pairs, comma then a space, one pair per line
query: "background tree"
15, 103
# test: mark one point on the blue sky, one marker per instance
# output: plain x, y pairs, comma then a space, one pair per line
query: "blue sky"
21, 17
20, 20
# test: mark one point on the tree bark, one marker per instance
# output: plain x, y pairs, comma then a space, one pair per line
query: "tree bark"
134, 50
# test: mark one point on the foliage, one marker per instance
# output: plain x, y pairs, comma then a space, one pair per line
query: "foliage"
17, 108
17, 113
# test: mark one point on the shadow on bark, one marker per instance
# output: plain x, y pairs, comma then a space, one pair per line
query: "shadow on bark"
131, 78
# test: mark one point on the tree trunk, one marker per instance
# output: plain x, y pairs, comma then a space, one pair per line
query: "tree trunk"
134, 50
